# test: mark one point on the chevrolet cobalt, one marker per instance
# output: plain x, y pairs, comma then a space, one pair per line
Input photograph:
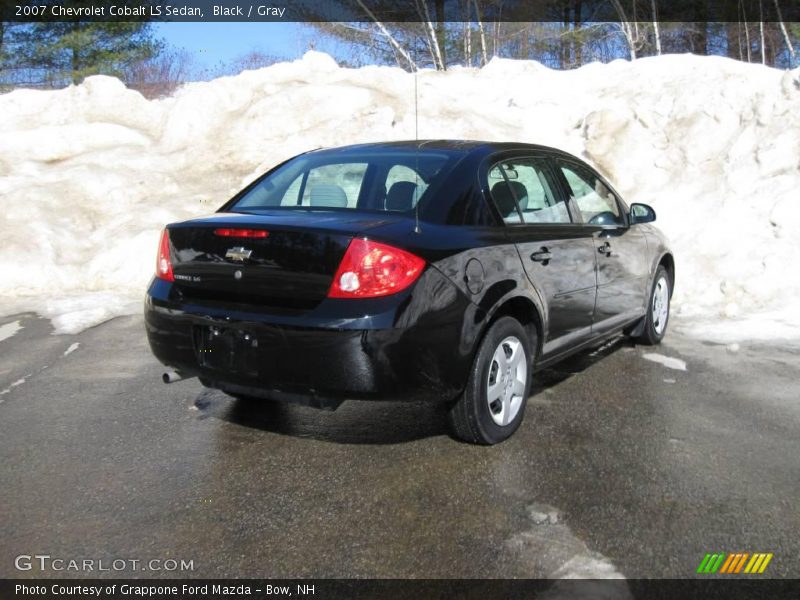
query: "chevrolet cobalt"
443, 271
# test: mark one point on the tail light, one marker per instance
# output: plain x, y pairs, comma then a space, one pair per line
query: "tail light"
164, 262
370, 269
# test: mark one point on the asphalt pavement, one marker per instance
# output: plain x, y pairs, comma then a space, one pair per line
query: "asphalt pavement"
626, 465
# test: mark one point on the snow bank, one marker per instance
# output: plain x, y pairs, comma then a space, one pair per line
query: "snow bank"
90, 174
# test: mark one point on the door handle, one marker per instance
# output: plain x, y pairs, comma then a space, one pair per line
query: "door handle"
605, 248
543, 256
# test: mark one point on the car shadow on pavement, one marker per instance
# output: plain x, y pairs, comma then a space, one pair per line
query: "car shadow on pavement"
369, 422
577, 363
354, 422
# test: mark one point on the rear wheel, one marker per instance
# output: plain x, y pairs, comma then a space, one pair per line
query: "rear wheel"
657, 317
493, 403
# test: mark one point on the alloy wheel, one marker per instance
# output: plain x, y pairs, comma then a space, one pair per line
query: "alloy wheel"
506, 381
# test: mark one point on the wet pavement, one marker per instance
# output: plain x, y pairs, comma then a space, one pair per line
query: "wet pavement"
623, 466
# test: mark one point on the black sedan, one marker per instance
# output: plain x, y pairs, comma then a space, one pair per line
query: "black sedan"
444, 271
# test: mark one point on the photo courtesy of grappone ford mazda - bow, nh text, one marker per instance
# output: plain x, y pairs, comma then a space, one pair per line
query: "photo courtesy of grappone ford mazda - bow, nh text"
440, 271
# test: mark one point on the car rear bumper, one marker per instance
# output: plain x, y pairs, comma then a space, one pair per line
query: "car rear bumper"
404, 348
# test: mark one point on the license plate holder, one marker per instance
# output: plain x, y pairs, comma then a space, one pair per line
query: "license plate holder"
226, 349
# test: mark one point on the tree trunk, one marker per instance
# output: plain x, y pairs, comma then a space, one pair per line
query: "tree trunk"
436, 53
431, 38
733, 30
75, 58
627, 29
563, 50
2, 57
746, 31
482, 34
441, 34
761, 29
389, 36
786, 37
468, 44
733, 41
577, 22
656, 29
429, 46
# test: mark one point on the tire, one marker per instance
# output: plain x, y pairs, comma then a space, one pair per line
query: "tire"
656, 319
476, 419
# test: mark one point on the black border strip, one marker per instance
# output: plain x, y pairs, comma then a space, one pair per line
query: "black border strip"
556, 11
399, 589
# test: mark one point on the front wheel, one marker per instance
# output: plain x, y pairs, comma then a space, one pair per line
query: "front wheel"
657, 317
493, 403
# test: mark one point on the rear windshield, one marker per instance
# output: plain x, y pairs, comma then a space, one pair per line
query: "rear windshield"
390, 181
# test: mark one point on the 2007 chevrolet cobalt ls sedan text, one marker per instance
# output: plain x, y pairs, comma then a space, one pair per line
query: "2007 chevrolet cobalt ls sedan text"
444, 271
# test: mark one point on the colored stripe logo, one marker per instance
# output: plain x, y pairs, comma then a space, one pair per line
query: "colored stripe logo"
735, 563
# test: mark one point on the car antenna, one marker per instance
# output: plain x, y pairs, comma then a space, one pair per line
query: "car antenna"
415, 67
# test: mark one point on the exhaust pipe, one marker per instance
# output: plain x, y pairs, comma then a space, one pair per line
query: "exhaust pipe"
173, 376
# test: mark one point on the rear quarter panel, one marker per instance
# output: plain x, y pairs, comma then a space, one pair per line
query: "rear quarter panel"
480, 262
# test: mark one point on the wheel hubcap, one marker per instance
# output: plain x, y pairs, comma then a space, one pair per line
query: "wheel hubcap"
505, 386
660, 305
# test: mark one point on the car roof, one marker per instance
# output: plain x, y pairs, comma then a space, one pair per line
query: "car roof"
449, 146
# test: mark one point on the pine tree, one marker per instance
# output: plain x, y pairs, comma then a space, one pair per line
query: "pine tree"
68, 52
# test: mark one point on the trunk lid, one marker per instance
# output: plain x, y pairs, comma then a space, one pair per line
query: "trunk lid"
289, 271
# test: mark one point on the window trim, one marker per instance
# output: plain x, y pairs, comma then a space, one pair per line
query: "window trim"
302, 191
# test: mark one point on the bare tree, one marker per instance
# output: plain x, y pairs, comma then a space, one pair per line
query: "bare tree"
630, 27
785, 33
656, 29
584, 30
160, 75
249, 61
761, 29
2, 52
746, 32
468, 52
432, 39
482, 34
400, 50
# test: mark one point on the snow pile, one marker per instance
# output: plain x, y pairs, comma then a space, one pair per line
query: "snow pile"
90, 174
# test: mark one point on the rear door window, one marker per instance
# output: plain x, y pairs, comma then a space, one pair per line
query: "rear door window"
404, 186
523, 192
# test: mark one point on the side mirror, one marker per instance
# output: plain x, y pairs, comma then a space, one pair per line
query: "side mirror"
642, 213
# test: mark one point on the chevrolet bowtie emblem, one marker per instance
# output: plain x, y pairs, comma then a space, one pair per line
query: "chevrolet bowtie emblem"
238, 253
